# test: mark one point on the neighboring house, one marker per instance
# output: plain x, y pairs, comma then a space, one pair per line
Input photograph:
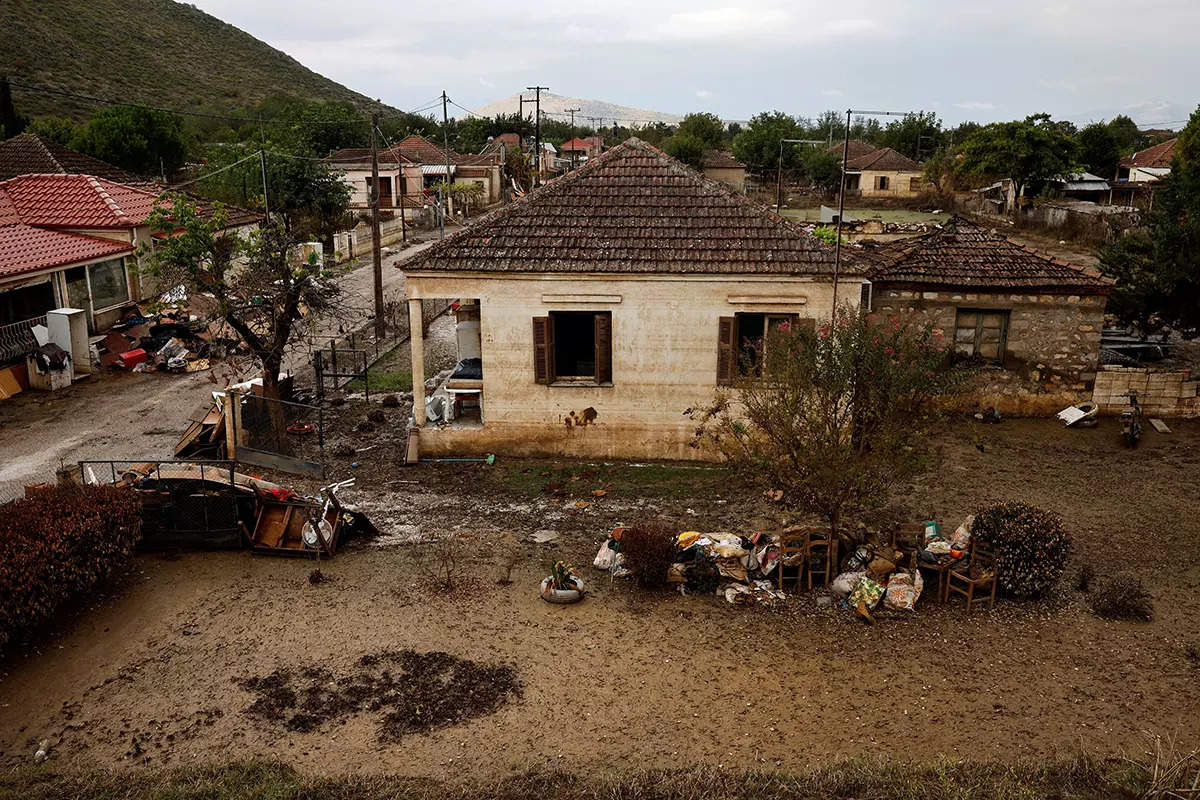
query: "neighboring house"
609, 301
1149, 165
581, 149
720, 165
1033, 321
29, 154
411, 167
70, 240
884, 173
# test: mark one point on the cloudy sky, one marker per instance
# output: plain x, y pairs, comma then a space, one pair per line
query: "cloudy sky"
979, 59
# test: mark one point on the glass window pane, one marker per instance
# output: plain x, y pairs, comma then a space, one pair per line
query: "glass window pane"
967, 319
965, 348
991, 350
989, 335
993, 320
77, 290
108, 283
965, 335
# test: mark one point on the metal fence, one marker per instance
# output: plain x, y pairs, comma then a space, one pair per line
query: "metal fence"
282, 435
16, 339
335, 367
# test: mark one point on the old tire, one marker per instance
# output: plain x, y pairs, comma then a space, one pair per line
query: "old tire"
561, 596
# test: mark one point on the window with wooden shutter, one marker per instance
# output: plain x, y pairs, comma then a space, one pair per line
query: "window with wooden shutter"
543, 350
726, 340
603, 327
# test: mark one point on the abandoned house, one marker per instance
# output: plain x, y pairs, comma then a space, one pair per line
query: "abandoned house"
879, 171
598, 308
1031, 322
720, 165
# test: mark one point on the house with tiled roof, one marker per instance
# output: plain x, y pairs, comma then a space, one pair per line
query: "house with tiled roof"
596, 309
1149, 165
720, 165
410, 168
884, 173
1032, 322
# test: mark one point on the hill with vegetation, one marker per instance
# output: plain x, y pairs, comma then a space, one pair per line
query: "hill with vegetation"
149, 51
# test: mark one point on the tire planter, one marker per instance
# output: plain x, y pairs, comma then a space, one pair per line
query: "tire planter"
561, 596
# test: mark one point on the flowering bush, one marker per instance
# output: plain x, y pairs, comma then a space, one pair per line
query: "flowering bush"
56, 544
1030, 543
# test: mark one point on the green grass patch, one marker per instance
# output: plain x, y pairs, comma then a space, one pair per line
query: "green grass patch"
875, 778
394, 381
581, 479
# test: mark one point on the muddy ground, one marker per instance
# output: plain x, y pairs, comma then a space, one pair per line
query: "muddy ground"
161, 667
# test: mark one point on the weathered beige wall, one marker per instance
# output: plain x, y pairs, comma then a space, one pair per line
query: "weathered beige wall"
1160, 393
899, 183
664, 332
1052, 349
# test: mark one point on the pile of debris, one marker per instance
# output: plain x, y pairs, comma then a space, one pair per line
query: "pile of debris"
173, 339
208, 505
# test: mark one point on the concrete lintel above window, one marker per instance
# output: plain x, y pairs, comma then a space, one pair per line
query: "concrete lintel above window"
581, 298
768, 299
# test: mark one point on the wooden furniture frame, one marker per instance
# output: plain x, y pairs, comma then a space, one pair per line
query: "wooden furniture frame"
985, 559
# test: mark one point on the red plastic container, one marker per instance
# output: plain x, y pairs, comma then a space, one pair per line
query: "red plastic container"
131, 358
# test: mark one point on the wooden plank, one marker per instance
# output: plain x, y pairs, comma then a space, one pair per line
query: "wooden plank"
1159, 425
259, 458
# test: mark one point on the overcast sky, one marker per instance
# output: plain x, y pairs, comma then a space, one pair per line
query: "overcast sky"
978, 59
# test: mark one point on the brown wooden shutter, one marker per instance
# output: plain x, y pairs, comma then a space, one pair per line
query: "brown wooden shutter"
543, 350
726, 339
603, 347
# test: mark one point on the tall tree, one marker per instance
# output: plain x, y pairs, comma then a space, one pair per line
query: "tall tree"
916, 135
1098, 150
1127, 134
261, 287
758, 144
704, 127
141, 140
1035, 148
687, 148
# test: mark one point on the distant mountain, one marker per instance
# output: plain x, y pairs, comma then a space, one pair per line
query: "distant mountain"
152, 51
590, 111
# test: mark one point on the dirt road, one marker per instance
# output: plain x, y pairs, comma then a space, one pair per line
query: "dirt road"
154, 671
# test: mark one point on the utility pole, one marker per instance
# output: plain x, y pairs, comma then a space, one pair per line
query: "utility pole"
446, 147
376, 252
262, 163
570, 111
537, 131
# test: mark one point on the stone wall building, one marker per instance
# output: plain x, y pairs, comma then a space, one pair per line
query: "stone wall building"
1031, 322
606, 303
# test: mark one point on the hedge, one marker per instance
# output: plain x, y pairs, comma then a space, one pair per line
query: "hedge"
56, 544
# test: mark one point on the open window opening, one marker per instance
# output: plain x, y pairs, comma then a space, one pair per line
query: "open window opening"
744, 341
573, 348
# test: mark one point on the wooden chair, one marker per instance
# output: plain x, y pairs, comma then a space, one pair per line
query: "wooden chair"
793, 544
822, 558
977, 580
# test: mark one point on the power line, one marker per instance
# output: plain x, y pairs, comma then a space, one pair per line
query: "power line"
176, 186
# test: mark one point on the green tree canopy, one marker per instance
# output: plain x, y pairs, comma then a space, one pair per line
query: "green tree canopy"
915, 135
758, 144
706, 128
823, 169
138, 139
687, 148
1127, 134
55, 129
1098, 150
1035, 148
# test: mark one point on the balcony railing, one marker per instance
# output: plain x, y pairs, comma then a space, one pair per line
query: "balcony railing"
16, 339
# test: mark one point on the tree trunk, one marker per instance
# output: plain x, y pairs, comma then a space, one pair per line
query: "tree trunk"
275, 410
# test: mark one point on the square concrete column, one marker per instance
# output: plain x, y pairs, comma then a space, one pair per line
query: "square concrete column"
416, 338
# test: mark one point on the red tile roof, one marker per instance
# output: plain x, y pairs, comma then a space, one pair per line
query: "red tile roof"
420, 150
963, 255
576, 144
29, 153
857, 149
362, 155
885, 158
1158, 156
633, 209
25, 249
77, 201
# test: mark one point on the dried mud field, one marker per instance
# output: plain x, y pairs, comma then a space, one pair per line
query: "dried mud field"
204, 657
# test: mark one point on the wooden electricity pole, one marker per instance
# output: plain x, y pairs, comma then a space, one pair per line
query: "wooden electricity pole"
572, 111
537, 131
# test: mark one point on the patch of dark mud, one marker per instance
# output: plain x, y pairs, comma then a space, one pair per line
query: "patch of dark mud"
412, 692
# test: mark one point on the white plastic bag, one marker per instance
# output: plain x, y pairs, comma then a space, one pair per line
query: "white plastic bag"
606, 558
844, 584
961, 538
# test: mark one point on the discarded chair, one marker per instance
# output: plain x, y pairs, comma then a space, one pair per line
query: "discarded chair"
822, 558
977, 581
793, 552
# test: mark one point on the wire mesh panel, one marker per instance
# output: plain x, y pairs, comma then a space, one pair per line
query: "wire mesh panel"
278, 434
185, 504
